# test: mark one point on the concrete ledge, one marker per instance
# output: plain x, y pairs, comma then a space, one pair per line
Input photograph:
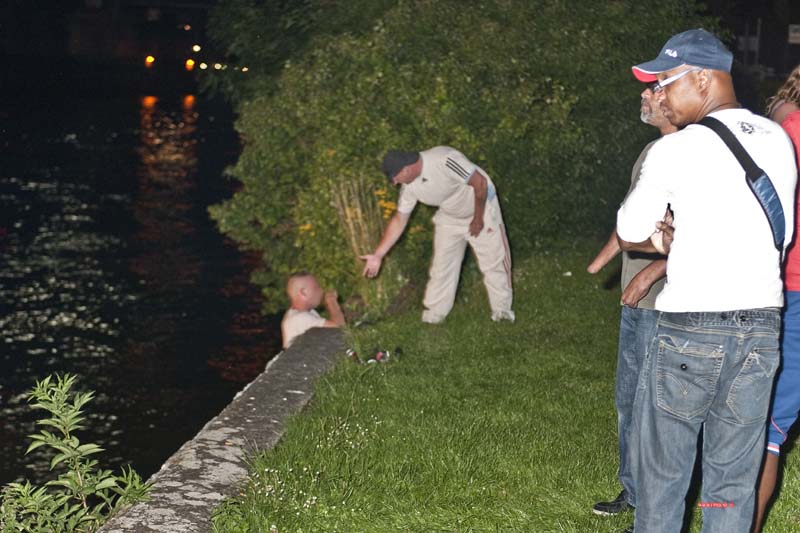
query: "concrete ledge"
209, 467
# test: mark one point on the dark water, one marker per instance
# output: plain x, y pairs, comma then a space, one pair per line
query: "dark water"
111, 269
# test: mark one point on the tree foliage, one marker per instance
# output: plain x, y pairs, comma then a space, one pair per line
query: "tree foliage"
538, 93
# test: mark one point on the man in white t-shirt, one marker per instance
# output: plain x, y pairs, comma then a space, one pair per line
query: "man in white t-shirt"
305, 295
469, 213
710, 367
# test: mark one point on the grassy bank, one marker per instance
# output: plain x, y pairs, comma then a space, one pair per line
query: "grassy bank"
477, 427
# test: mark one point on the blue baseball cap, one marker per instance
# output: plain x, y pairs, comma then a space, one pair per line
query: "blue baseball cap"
698, 48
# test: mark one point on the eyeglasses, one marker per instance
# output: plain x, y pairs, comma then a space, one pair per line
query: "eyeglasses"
658, 86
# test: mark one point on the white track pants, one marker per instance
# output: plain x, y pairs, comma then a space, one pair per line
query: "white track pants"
494, 260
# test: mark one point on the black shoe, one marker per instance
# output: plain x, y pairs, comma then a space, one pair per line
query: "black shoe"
617, 506
628, 530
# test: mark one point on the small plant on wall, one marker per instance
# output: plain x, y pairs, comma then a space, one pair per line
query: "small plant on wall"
83, 496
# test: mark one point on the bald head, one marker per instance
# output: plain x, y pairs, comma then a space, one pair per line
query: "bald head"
304, 291
721, 86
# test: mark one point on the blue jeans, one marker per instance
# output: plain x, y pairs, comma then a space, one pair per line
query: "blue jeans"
786, 398
709, 373
637, 327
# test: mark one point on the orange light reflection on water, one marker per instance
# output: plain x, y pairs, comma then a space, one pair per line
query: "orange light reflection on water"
163, 206
149, 102
166, 172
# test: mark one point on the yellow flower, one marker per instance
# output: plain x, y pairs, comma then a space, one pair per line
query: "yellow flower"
305, 227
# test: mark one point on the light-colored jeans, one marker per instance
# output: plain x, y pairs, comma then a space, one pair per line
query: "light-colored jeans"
708, 373
637, 327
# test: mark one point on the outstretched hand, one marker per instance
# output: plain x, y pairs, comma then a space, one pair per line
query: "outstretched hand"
372, 266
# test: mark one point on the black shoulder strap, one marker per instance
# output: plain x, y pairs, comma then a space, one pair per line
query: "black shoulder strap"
758, 181
752, 170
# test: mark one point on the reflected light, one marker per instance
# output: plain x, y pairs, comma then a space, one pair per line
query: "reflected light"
148, 61
149, 102
166, 178
188, 101
203, 66
196, 48
189, 64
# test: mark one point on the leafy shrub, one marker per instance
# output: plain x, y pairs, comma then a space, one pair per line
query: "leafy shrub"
538, 93
83, 496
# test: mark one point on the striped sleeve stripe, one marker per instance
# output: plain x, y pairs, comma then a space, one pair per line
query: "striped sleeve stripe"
780, 430
455, 167
507, 257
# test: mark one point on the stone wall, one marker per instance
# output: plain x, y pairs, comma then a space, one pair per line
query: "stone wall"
210, 467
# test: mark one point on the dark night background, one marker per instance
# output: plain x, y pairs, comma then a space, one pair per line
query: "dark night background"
110, 267
101, 44
77, 41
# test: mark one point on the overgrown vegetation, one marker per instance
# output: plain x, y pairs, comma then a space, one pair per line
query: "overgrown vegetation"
83, 496
538, 93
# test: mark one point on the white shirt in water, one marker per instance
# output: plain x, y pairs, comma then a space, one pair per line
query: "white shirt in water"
296, 322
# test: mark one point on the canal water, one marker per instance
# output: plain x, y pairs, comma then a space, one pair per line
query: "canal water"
111, 269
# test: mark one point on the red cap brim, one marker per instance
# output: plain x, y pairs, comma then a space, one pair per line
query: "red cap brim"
643, 76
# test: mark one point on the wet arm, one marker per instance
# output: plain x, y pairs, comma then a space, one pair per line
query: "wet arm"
335, 313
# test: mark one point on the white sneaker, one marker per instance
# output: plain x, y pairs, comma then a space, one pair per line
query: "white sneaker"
430, 318
503, 315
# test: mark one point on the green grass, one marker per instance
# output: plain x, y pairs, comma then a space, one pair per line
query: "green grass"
477, 427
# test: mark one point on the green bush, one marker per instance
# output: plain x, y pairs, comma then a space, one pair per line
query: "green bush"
82, 497
538, 93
